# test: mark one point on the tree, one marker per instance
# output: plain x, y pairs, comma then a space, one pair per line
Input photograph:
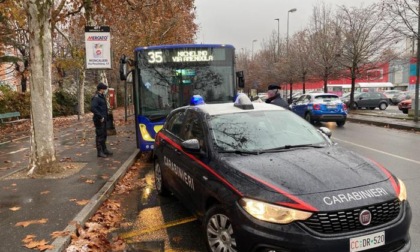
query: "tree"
14, 34
301, 53
403, 16
326, 43
365, 37
43, 159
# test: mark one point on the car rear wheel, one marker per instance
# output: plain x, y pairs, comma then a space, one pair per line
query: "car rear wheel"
340, 123
159, 182
308, 118
383, 106
219, 230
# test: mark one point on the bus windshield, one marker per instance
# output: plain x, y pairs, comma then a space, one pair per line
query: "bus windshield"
170, 77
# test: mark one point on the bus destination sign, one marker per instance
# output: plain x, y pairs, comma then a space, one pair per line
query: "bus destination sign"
180, 56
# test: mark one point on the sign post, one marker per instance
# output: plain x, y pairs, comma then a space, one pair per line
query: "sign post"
98, 56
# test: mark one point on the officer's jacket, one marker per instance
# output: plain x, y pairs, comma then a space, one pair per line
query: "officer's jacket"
99, 107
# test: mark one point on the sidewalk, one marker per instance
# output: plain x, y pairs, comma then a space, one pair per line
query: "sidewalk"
393, 121
40, 207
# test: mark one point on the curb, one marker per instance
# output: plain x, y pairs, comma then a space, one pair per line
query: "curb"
61, 243
384, 124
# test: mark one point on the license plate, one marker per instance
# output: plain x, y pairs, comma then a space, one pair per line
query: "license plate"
331, 106
367, 241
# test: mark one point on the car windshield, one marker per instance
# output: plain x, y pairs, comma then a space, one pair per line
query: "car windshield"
260, 131
326, 98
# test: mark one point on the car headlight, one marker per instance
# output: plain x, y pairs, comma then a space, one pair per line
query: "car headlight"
403, 191
272, 213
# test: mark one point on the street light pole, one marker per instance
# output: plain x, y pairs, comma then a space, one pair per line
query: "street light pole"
287, 45
278, 37
252, 52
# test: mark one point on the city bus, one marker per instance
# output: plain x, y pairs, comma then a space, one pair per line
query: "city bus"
165, 77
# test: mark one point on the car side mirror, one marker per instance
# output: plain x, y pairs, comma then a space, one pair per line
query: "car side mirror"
191, 146
326, 131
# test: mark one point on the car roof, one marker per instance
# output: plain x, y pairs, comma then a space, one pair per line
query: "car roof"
229, 108
317, 94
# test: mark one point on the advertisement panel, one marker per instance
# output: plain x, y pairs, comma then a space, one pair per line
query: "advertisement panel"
98, 47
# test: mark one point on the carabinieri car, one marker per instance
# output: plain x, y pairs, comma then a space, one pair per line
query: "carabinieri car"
320, 107
263, 179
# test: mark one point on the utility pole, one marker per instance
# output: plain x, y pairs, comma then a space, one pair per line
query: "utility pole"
278, 38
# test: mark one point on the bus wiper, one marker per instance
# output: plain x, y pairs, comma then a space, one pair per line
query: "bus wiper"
242, 152
153, 118
288, 147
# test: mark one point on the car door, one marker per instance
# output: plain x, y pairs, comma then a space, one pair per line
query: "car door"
363, 100
193, 163
169, 146
301, 105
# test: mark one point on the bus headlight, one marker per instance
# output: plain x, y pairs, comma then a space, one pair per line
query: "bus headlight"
272, 213
403, 191
145, 134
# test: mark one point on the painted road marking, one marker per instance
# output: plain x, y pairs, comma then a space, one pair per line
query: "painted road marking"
156, 228
382, 152
14, 152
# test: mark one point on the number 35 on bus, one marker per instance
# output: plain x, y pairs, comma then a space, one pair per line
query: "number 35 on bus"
166, 77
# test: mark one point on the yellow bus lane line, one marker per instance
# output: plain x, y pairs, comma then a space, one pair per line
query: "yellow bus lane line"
156, 228
379, 151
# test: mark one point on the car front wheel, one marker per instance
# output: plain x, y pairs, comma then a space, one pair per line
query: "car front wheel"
159, 182
219, 231
383, 106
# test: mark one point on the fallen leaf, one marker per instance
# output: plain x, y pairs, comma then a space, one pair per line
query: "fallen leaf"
59, 234
82, 202
7, 161
36, 244
28, 238
27, 223
45, 192
14, 209
89, 181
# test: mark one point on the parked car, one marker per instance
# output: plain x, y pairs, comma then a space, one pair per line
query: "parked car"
260, 178
368, 100
405, 105
390, 93
401, 97
320, 107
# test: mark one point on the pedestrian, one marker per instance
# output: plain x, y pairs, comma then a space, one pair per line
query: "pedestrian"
99, 109
274, 97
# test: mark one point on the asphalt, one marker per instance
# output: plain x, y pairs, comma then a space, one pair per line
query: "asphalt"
62, 202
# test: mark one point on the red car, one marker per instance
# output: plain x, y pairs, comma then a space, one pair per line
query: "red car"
404, 106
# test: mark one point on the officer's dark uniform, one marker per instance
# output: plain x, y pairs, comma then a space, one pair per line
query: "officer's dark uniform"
99, 109
277, 100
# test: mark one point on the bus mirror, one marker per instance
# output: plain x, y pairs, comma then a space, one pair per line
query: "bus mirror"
123, 68
240, 79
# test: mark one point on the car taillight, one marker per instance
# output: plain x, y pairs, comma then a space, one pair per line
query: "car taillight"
317, 107
344, 106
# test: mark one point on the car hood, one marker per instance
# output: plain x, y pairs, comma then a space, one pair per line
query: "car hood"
309, 174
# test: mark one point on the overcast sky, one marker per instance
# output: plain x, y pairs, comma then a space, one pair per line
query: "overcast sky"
239, 22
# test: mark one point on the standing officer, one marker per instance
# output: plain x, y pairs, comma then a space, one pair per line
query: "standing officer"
274, 97
99, 109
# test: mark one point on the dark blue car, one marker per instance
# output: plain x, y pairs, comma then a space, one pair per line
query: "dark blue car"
321, 107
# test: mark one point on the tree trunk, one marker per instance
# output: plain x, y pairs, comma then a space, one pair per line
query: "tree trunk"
353, 87
81, 93
43, 159
304, 84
